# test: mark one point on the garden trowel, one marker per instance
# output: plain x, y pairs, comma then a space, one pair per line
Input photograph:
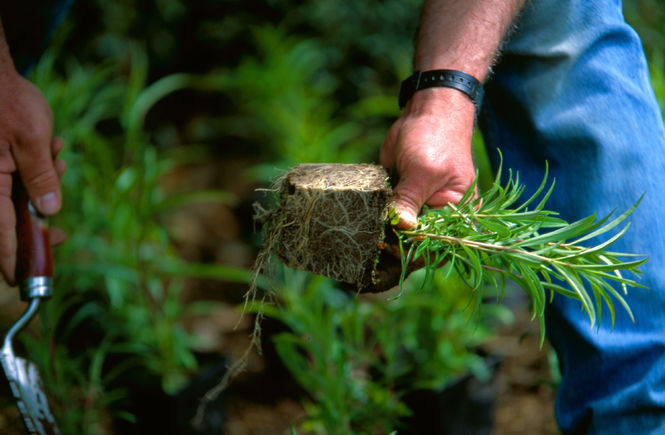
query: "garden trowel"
34, 273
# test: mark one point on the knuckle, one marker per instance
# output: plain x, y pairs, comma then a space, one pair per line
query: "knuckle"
42, 180
7, 236
7, 163
408, 198
36, 134
5, 193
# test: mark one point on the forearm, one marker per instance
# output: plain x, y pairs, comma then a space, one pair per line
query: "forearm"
430, 143
463, 35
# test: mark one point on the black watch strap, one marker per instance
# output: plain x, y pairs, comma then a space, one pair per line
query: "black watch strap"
441, 78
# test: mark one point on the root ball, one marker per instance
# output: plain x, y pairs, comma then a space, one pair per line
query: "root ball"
330, 220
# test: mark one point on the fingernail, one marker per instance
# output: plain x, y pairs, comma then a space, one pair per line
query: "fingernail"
407, 220
48, 203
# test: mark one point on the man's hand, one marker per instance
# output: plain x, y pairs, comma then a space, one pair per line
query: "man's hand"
430, 144
27, 146
430, 147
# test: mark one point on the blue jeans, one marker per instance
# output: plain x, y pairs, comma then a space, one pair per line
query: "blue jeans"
572, 88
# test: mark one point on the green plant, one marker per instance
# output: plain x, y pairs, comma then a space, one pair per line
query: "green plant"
340, 98
486, 240
357, 357
285, 99
354, 358
119, 278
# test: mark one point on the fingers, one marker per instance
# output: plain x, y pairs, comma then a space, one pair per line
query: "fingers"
407, 199
7, 229
8, 243
57, 145
60, 168
434, 169
410, 195
56, 236
34, 161
451, 195
60, 165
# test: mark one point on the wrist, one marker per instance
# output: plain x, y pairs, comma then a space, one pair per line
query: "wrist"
442, 78
439, 107
441, 103
438, 98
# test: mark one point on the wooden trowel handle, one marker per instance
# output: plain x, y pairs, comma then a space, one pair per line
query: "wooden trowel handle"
34, 258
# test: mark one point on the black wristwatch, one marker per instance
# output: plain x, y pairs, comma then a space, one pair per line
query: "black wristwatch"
441, 78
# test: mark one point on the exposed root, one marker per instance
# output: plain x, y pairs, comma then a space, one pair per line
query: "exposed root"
235, 369
329, 219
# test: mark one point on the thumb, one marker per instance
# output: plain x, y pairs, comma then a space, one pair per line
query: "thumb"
409, 199
387, 154
39, 175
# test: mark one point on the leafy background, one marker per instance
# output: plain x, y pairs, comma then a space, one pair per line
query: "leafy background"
173, 113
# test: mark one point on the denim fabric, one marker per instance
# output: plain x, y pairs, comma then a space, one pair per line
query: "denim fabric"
572, 88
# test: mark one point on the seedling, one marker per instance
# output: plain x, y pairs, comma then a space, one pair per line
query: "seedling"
486, 239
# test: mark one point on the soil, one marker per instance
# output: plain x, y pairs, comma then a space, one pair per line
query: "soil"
330, 220
524, 387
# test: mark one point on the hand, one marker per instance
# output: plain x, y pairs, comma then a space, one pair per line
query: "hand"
430, 146
27, 146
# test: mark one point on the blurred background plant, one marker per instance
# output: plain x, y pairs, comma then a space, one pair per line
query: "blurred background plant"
172, 115
117, 316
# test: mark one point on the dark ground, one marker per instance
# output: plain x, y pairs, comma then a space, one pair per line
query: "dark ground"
261, 402
264, 399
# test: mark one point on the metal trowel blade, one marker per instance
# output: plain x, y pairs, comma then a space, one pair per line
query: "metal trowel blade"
28, 390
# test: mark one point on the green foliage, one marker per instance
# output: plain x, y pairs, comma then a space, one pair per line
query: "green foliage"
647, 16
370, 43
657, 70
319, 85
119, 278
487, 241
329, 354
285, 100
357, 357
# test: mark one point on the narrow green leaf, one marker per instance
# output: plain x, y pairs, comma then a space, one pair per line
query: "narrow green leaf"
542, 202
599, 289
577, 285
560, 234
614, 278
620, 298
476, 265
495, 226
469, 192
538, 192
599, 304
536, 287
541, 325
560, 289
610, 225
611, 267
